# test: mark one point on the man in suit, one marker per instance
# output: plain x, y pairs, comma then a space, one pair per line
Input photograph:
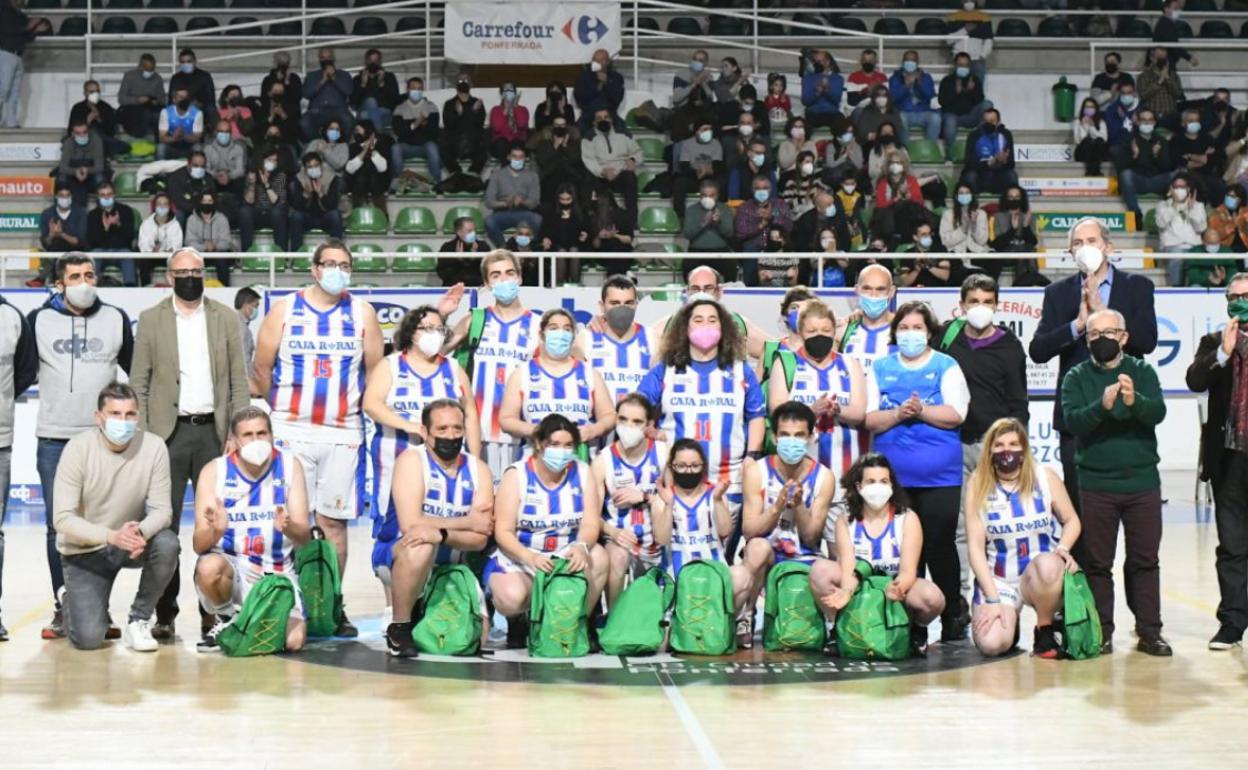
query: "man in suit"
189, 384
1221, 370
1063, 320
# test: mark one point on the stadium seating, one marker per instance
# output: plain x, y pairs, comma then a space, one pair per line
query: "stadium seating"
1216, 29
1133, 28
415, 220
659, 221
684, 25
286, 28
721, 26
652, 148
890, 26
207, 4
118, 25
1054, 26
73, 26
930, 27
366, 220
160, 25
851, 23
1013, 28
455, 212
331, 26
367, 26
201, 22
924, 151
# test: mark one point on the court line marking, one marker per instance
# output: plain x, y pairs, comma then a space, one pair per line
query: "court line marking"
30, 617
693, 728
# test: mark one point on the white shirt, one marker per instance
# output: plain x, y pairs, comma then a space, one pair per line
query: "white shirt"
195, 393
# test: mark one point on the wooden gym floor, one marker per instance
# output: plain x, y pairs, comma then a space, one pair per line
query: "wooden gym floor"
343, 704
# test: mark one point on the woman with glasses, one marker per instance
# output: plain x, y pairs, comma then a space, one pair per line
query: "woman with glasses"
414, 375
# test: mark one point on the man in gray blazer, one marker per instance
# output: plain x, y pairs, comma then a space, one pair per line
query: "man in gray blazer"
189, 382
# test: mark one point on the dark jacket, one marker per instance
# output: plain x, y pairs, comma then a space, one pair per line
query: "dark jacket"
592, 94
1131, 295
107, 124
469, 121
315, 206
960, 102
294, 88
1151, 160
185, 192
332, 95
996, 376
118, 238
1206, 376
386, 93
75, 224
199, 86
466, 270
973, 159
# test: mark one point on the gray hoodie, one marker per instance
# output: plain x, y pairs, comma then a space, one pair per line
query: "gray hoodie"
19, 365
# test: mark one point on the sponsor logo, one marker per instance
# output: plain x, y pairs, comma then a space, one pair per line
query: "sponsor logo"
1117, 222
35, 186
1168, 341
588, 29
19, 222
77, 346
389, 315
1044, 153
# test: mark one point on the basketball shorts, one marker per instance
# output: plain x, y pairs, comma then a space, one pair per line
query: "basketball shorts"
334, 474
245, 578
499, 456
1007, 590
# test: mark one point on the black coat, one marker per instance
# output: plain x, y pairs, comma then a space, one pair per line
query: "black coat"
1205, 376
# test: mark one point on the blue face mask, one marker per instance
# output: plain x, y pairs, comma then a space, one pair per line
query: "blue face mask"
470, 237
106, 203
82, 141
120, 432
334, 280
962, 72
333, 134
925, 241
791, 449
1231, 202
964, 199
1193, 127
762, 196
506, 291
696, 66
912, 342
758, 160
830, 211
872, 307
909, 65
558, 342
186, 68
223, 138
416, 94
557, 457
523, 240
517, 164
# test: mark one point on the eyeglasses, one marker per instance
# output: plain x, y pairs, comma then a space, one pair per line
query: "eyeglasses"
1236, 297
1112, 334
343, 266
684, 468
433, 329
190, 272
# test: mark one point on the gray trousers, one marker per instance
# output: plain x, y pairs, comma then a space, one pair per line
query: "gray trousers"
89, 583
6, 464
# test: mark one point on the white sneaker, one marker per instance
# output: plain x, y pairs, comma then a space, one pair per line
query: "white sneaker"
138, 636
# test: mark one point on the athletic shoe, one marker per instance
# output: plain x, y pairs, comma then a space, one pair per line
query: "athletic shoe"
831, 648
953, 632
138, 636
4, 633
209, 641
55, 629
399, 640
163, 632
346, 628
1227, 638
1044, 643
964, 611
918, 641
745, 632
517, 632
1155, 646
1107, 647
113, 631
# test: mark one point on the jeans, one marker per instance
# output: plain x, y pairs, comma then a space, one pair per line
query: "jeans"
1231, 517
380, 116
191, 447
1140, 516
993, 181
429, 151
314, 119
47, 457
929, 120
129, 271
11, 71
278, 218
950, 123
301, 222
979, 71
6, 464
1131, 184
89, 581
499, 221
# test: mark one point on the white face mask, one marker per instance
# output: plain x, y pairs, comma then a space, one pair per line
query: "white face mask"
1180, 194
629, 435
708, 202
825, 242
747, 131
980, 316
256, 452
881, 102
1089, 259
80, 295
895, 168
877, 494
430, 343
808, 169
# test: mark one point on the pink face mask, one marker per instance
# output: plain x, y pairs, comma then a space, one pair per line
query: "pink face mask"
704, 337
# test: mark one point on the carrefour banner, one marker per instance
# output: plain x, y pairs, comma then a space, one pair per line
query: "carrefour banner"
530, 33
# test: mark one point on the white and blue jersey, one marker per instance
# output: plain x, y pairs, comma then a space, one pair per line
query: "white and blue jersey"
694, 534
318, 374
922, 455
837, 446
621, 364
504, 346
549, 519
448, 495
570, 394
645, 476
884, 550
786, 544
1018, 529
711, 405
868, 345
251, 507
409, 393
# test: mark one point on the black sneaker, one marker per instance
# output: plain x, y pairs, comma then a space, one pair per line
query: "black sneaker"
1044, 643
1227, 638
964, 611
1107, 647
517, 632
346, 628
209, 641
399, 640
1155, 646
952, 632
745, 632
831, 648
4, 633
163, 632
918, 641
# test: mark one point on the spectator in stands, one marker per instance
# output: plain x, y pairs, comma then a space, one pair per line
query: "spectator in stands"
512, 196
313, 197
1210, 270
556, 105
898, 201
208, 231
872, 117
1160, 88
1146, 165
822, 89
187, 184
612, 159
990, 156
1237, 156
1091, 137
82, 166
368, 172
754, 218
463, 128
821, 213
1107, 86
328, 91
736, 136
775, 270
509, 122
180, 126
863, 82
63, 225
844, 158
1193, 151
709, 227
964, 225
332, 146
521, 241
1230, 219
699, 158
232, 110
698, 79
159, 233
16, 31
798, 140
732, 117
924, 271
465, 270
111, 227
1219, 118
1181, 220
697, 109
884, 147
278, 111
557, 153
599, 87
197, 83
756, 162
292, 85
265, 198
798, 186
140, 99
1120, 116
912, 90
415, 126
836, 266
226, 159
563, 230
100, 117
611, 227
971, 33
1167, 30
375, 90
778, 105
1014, 231
962, 101
851, 204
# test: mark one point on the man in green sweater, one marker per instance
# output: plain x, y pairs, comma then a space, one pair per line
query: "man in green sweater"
1113, 404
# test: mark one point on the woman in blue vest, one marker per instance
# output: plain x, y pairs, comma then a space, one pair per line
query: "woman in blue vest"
916, 399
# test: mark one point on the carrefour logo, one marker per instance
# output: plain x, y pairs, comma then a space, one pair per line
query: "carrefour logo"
388, 314
1167, 348
589, 29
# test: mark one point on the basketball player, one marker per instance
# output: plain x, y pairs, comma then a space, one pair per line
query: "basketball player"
706, 283
624, 350
630, 470
786, 499
865, 334
315, 348
251, 513
442, 505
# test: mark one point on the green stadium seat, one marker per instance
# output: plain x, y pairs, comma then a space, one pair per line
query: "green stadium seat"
366, 220
364, 261
630, 120
852, 23
1013, 28
1150, 222
201, 22
958, 156
303, 264
409, 23
1053, 26
415, 248
244, 32
331, 26
659, 221
415, 220
652, 148
771, 29
207, 4
1216, 30
1135, 29
644, 178
368, 26
455, 212
685, 25
286, 29
930, 26
890, 26
118, 25
924, 151
412, 262
1185, 30
126, 184
160, 25
264, 248
721, 26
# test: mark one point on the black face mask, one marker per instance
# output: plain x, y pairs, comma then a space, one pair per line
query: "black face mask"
1111, 68
559, 131
207, 208
448, 449
774, 247
687, 480
463, 88
1104, 350
868, 66
326, 63
818, 346
886, 139
1011, 205
990, 128
373, 66
189, 288
554, 96
184, 103
604, 126
235, 101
